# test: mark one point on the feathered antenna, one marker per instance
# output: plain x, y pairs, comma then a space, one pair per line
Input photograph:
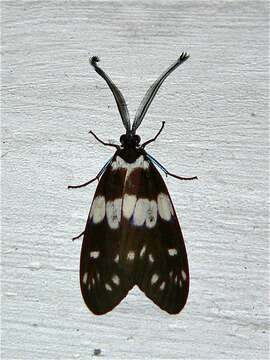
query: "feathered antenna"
150, 94
120, 101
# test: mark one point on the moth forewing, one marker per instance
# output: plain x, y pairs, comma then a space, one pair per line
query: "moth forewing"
162, 267
104, 283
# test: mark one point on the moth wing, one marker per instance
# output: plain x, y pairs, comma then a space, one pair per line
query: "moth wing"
103, 278
161, 270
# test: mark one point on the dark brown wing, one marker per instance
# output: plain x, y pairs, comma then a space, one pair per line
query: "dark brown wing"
161, 265
103, 277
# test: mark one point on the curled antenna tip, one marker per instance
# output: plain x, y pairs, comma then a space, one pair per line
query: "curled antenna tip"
93, 60
184, 56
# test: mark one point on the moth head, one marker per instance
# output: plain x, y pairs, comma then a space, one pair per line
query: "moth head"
130, 140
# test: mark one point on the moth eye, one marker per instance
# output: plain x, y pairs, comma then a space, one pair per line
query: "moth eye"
122, 139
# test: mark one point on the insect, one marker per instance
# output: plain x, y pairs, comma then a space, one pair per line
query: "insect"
132, 235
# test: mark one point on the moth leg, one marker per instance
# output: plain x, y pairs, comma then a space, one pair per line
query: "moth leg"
95, 178
84, 184
154, 138
101, 141
78, 236
167, 172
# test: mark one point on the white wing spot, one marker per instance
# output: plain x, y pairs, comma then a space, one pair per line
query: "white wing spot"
151, 214
98, 276
151, 258
154, 279
113, 212
142, 251
145, 211
85, 276
175, 279
108, 287
131, 255
116, 259
94, 254
116, 279
180, 283
118, 163
89, 286
97, 212
171, 273
172, 252
162, 286
129, 203
164, 206
184, 275
140, 163
93, 281
140, 211
145, 165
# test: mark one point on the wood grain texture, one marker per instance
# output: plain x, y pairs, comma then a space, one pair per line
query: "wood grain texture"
216, 112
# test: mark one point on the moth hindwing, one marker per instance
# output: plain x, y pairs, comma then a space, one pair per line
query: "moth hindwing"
132, 235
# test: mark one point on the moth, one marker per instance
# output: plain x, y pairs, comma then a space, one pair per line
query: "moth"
132, 235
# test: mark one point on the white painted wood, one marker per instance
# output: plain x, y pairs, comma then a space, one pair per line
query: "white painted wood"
216, 112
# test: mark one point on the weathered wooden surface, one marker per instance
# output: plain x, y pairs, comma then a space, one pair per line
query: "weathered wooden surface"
215, 107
